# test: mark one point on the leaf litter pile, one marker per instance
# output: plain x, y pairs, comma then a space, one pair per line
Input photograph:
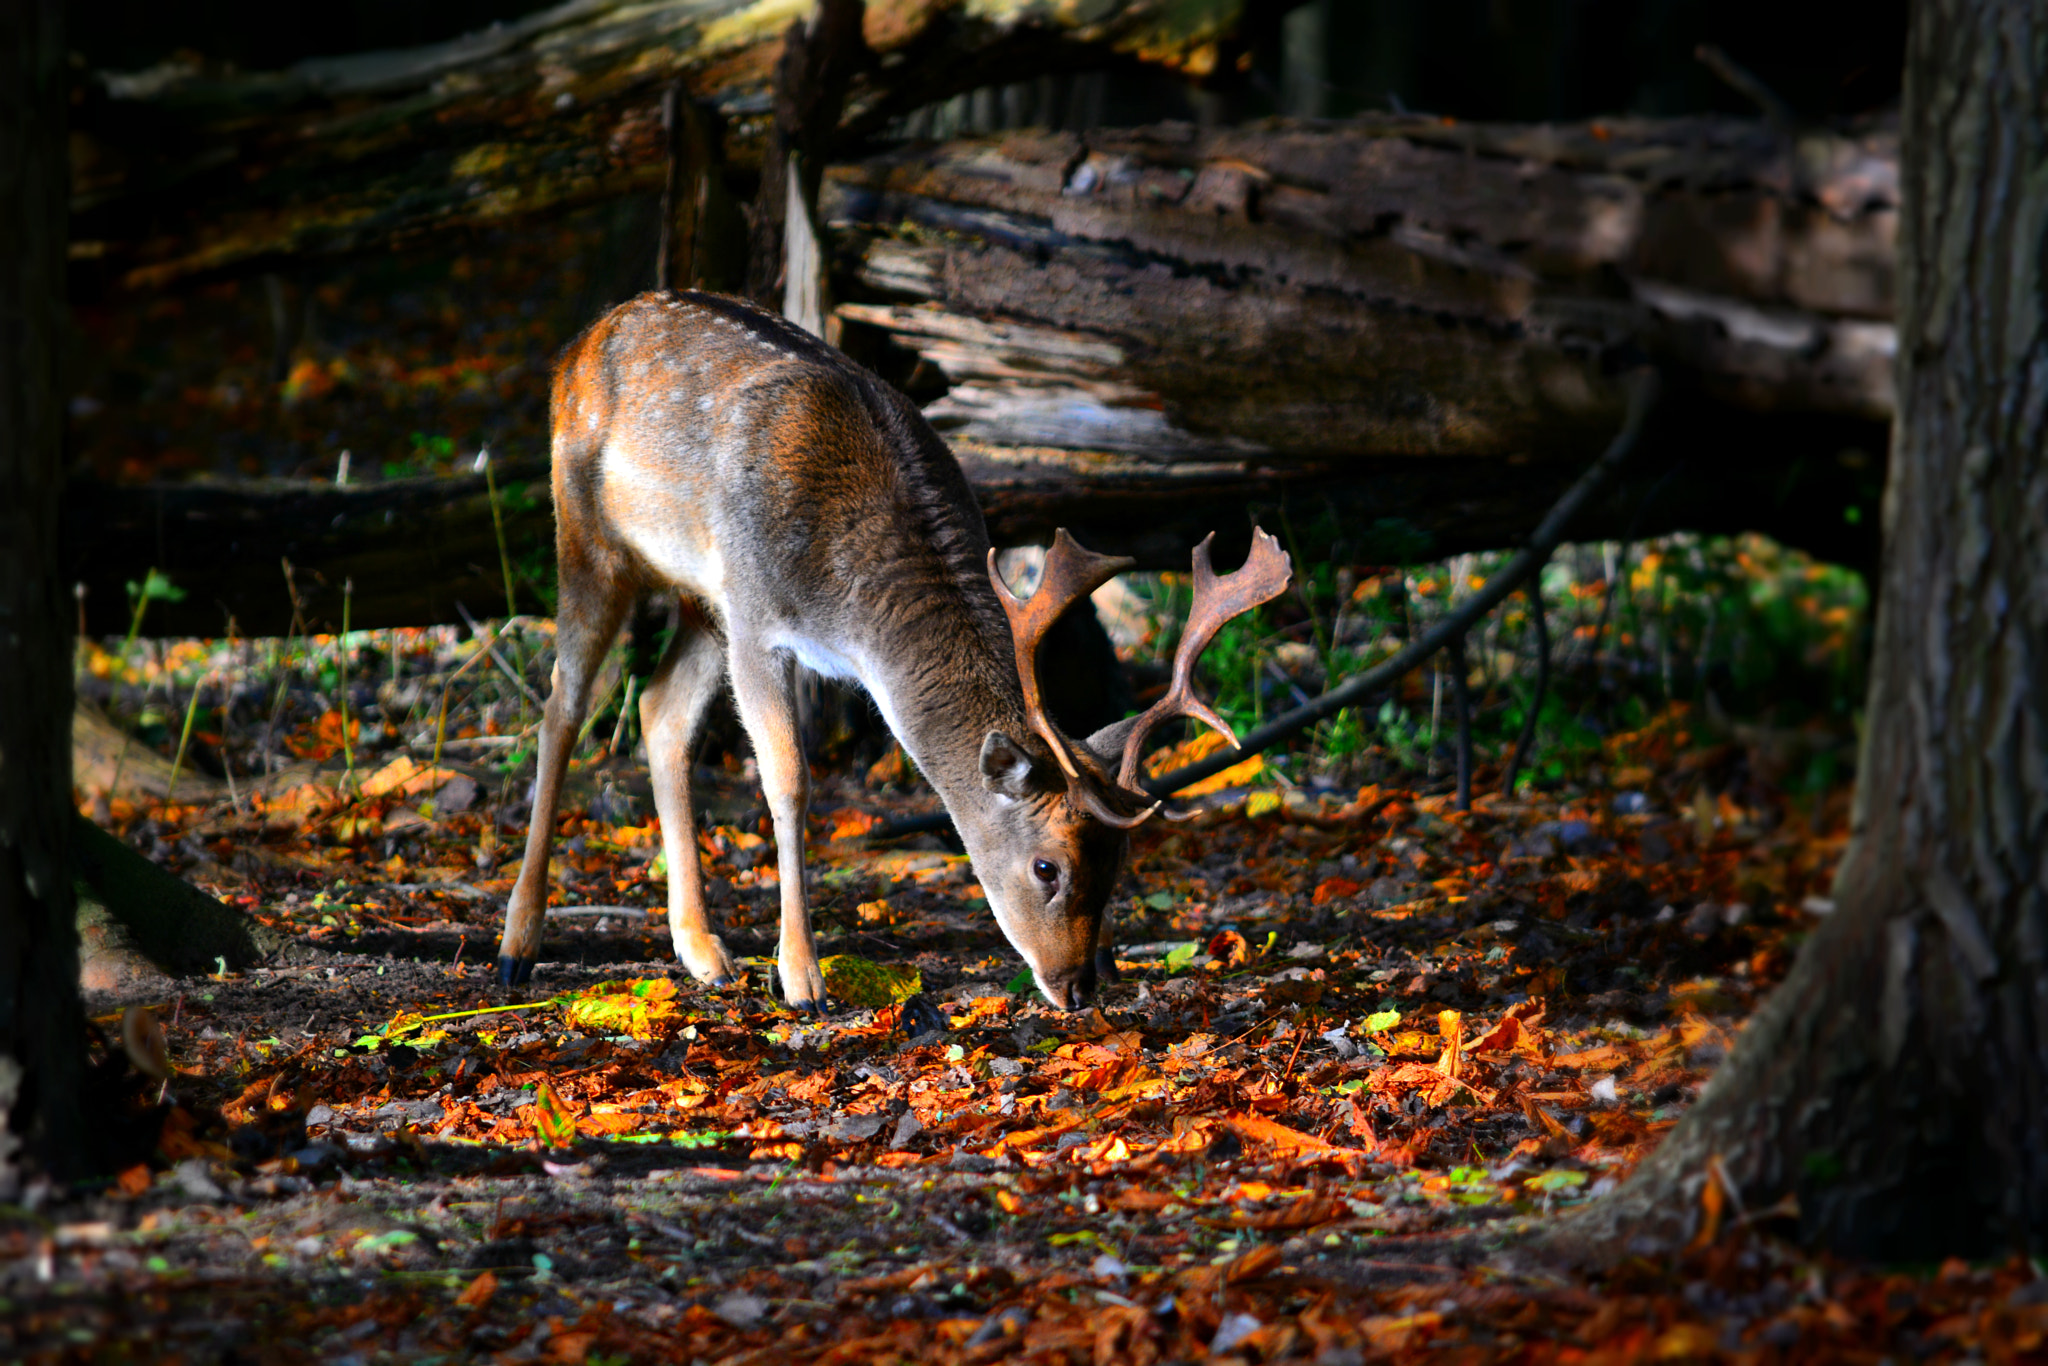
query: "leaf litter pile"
1361, 1041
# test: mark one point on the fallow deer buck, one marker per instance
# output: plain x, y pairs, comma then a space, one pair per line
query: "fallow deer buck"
804, 513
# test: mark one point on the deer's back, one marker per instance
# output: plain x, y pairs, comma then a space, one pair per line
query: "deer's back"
702, 444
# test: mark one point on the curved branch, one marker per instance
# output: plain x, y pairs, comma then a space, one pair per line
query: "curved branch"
1642, 387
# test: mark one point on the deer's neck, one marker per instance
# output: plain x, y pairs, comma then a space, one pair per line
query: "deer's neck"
944, 676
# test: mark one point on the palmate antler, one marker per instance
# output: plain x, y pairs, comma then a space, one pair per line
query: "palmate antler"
1071, 573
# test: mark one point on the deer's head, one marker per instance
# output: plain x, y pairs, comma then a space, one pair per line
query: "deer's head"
1050, 845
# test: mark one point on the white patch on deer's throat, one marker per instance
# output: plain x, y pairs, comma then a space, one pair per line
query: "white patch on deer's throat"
704, 404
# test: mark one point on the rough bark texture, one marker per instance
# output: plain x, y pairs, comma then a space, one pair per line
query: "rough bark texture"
1897, 1084
1398, 335
41, 1026
185, 172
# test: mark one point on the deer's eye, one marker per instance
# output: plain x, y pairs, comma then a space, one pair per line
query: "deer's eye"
1046, 871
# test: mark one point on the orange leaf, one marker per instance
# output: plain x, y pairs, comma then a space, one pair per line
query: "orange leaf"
1711, 1200
851, 823
134, 1180
1331, 888
1259, 1262
1501, 1038
1253, 1129
1307, 1211
478, 1292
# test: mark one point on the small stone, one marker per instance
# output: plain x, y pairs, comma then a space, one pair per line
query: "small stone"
857, 1128
192, 1175
740, 1309
908, 1126
1234, 1329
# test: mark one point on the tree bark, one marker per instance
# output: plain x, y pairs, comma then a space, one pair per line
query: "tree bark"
41, 1025
1396, 335
186, 173
1897, 1083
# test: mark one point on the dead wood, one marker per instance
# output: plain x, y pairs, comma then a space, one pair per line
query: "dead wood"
181, 171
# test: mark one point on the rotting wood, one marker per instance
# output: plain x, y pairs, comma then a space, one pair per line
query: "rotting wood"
183, 172
1397, 334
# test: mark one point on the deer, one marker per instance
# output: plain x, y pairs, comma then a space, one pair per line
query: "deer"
803, 512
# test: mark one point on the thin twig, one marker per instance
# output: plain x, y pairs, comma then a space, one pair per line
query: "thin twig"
491, 649
1750, 86
1541, 627
1642, 386
1461, 703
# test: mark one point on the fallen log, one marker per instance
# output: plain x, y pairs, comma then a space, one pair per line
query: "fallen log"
1397, 336
180, 172
418, 551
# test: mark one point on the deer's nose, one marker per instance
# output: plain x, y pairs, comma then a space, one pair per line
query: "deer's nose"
1072, 988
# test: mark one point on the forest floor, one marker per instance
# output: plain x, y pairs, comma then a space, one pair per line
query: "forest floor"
1365, 1047
1364, 1043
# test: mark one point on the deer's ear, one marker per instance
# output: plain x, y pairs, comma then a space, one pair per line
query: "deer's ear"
1007, 768
1108, 743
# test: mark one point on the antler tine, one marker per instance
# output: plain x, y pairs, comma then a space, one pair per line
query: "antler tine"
1071, 573
1264, 575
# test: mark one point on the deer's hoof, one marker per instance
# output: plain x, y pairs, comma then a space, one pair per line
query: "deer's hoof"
1105, 967
513, 972
719, 983
816, 1007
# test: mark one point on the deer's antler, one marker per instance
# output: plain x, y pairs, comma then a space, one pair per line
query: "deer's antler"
1263, 578
1072, 573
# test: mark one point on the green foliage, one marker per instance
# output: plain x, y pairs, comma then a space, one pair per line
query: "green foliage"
1758, 630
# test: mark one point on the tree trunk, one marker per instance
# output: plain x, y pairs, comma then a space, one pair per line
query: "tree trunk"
1897, 1083
136, 920
41, 1025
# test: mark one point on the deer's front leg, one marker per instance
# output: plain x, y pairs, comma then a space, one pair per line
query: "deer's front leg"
764, 686
672, 709
586, 619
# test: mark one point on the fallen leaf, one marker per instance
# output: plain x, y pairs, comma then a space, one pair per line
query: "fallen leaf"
868, 985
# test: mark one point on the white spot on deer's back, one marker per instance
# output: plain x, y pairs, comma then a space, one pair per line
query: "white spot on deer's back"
704, 404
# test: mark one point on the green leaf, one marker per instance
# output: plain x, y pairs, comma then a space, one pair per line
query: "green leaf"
1180, 955
1552, 1183
1021, 982
156, 584
1160, 901
1381, 1021
869, 985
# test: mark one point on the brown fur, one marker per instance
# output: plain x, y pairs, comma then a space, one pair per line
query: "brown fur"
808, 514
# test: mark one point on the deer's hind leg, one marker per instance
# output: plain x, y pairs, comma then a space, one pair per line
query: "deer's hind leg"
672, 710
587, 617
